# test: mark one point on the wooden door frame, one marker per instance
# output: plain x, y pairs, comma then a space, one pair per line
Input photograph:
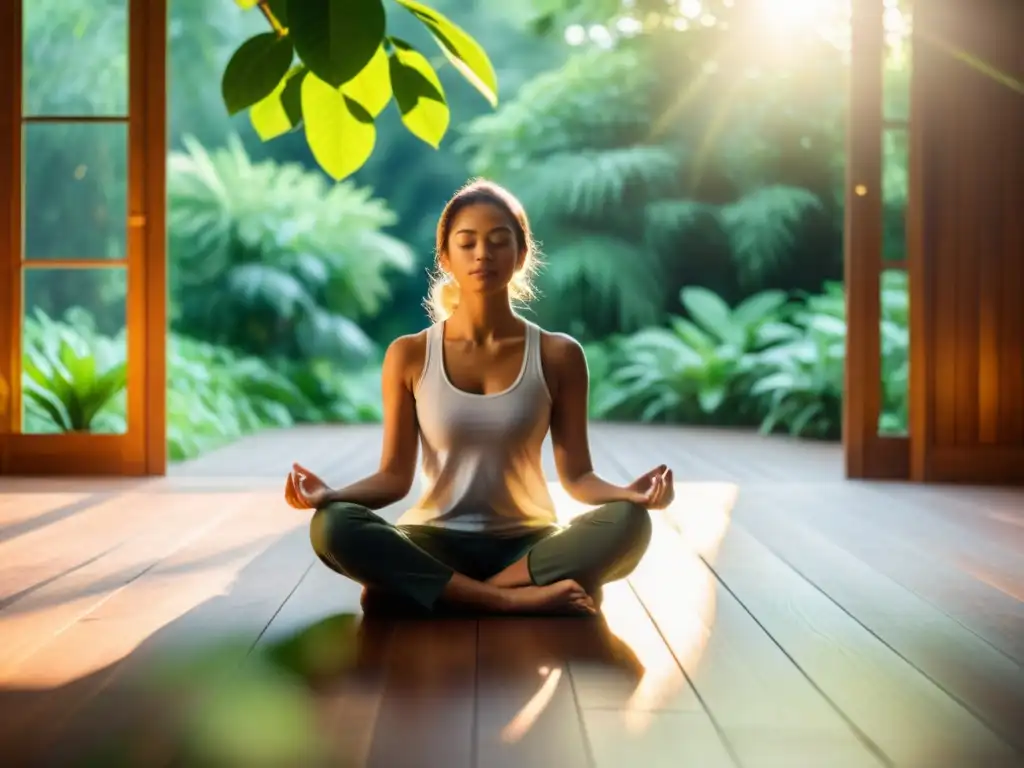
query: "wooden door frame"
146, 452
867, 454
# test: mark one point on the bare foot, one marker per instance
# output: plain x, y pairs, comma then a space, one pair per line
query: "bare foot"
561, 597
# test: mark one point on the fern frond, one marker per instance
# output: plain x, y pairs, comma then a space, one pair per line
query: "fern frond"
762, 227
586, 270
668, 221
593, 186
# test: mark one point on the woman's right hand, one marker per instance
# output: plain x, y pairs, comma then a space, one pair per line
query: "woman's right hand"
304, 490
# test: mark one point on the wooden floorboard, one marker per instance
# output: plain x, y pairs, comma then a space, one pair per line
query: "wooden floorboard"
782, 617
976, 677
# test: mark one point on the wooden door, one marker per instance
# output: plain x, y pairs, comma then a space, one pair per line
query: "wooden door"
968, 242
875, 418
82, 256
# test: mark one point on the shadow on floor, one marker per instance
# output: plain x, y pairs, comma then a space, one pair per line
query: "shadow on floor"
194, 692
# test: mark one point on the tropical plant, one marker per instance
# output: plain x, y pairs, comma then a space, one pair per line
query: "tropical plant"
269, 259
895, 343
216, 396
768, 361
608, 188
331, 68
699, 369
803, 378
74, 381
72, 376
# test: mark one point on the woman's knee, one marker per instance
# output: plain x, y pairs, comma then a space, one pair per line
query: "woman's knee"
633, 522
333, 527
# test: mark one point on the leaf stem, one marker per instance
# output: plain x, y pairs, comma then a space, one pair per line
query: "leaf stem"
268, 14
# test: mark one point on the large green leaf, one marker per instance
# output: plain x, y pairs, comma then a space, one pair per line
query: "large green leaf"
336, 39
49, 404
255, 70
465, 53
281, 111
419, 94
371, 88
708, 310
758, 308
340, 133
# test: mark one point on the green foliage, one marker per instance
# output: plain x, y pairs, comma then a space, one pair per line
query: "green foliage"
608, 188
72, 376
762, 228
74, 381
215, 395
255, 70
802, 379
766, 361
341, 78
333, 40
418, 93
339, 130
697, 370
269, 259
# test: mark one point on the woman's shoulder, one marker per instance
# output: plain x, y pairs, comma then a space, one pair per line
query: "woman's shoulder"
559, 348
406, 356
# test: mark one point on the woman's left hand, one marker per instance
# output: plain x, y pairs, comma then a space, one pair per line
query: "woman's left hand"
654, 489
304, 490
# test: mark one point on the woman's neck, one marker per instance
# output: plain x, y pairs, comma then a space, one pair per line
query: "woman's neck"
483, 318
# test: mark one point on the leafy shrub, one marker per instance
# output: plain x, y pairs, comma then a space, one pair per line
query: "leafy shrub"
802, 379
74, 380
268, 259
612, 178
697, 370
767, 361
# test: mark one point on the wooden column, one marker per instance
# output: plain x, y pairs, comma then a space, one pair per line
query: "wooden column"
966, 248
868, 455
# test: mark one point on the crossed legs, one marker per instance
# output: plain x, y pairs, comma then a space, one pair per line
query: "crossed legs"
554, 570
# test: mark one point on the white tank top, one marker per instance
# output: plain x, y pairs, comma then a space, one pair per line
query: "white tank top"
482, 453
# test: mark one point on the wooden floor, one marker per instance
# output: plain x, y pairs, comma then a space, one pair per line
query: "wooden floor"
782, 617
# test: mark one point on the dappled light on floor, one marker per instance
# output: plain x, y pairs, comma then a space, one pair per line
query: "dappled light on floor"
661, 681
532, 710
701, 513
678, 584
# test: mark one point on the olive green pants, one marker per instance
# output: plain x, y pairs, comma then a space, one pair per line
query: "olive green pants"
414, 563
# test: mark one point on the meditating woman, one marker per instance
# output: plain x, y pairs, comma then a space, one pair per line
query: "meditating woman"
479, 389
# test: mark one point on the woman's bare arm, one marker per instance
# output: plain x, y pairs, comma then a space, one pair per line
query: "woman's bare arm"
394, 477
569, 381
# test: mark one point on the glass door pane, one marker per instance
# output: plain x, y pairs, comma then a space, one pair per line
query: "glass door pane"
76, 330
894, 284
75, 58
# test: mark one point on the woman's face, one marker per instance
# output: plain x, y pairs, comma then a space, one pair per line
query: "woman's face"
482, 253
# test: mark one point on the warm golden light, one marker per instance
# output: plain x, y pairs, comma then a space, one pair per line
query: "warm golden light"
795, 13
674, 581
520, 724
